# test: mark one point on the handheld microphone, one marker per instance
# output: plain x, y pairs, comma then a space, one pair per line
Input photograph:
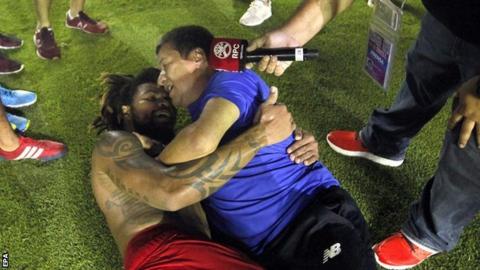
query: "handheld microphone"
228, 54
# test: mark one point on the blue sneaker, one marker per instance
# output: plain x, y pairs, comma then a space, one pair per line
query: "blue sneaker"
17, 98
17, 122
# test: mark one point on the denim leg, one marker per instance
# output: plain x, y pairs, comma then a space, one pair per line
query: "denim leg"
432, 74
450, 199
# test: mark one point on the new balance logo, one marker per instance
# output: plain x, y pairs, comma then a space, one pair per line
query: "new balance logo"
331, 252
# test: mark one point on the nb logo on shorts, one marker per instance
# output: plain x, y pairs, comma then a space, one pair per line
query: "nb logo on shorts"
331, 252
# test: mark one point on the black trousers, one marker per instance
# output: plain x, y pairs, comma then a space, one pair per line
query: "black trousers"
437, 64
330, 233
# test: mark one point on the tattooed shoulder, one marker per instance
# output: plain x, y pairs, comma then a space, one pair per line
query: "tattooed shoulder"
118, 144
124, 149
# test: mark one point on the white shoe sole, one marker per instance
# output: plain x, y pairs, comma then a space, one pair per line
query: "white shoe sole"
366, 155
253, 24
386, 266
12, 72
21, 105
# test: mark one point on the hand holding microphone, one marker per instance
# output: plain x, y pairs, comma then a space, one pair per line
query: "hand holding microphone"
232, 55
274, 39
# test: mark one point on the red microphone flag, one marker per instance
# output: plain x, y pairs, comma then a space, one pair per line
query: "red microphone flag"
227, 54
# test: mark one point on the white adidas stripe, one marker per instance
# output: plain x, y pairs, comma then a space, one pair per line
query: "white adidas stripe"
24, 153
39, 152
30, 152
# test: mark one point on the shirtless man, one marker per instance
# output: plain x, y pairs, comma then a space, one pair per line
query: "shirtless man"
138, 195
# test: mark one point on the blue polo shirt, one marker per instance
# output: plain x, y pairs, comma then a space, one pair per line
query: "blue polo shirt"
258, 202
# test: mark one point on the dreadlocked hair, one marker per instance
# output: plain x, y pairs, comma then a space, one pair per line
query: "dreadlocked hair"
120, 89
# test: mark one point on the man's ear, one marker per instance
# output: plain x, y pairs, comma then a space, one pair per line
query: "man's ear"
127, 118
197, 55
126, 111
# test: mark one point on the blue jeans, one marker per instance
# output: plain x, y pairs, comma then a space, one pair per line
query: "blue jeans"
437, 64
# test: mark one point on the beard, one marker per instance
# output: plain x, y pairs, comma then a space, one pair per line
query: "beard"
161, 133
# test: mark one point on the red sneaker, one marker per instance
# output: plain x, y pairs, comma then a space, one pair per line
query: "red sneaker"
348, 143
85, 23
35, 149
8, 66
45, 43
400, 252
8, 43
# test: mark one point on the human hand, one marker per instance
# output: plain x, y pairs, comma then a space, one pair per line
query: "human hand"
468, 109
275, 118
274, 39
304, 149
146, 142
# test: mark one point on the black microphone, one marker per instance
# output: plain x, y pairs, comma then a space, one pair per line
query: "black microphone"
231, 54
282, 54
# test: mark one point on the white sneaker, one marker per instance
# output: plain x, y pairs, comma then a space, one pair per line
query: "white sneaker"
257, 13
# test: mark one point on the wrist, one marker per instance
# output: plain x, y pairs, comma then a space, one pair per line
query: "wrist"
257, 136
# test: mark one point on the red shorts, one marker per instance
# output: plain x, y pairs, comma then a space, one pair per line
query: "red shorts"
166, 247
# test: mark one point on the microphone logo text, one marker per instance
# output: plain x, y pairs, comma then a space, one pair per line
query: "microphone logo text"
222, 49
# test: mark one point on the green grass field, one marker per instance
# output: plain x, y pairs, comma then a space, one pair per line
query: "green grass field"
48, 216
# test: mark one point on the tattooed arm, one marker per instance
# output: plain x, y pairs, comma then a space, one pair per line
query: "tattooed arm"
120, 156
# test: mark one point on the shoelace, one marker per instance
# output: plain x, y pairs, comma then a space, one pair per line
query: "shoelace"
7, 93
256, 4
84, 17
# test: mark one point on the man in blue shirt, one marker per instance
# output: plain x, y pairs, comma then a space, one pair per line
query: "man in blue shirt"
259, 203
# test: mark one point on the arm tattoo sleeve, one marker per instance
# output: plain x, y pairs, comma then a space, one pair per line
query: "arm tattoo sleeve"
203, 176
210, 173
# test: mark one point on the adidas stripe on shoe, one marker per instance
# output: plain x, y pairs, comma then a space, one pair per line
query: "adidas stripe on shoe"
29, 148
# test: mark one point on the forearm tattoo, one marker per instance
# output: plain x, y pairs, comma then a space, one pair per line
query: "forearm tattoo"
205, 175
209, 175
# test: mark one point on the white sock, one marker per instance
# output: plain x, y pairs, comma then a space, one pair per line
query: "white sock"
70, 15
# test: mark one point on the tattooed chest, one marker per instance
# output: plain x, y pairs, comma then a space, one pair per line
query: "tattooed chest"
132, 210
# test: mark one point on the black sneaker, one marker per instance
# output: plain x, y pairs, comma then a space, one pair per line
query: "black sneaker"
8, 66
8, 43
45, 43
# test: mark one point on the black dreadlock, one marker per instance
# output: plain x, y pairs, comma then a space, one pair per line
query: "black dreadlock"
121, 89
